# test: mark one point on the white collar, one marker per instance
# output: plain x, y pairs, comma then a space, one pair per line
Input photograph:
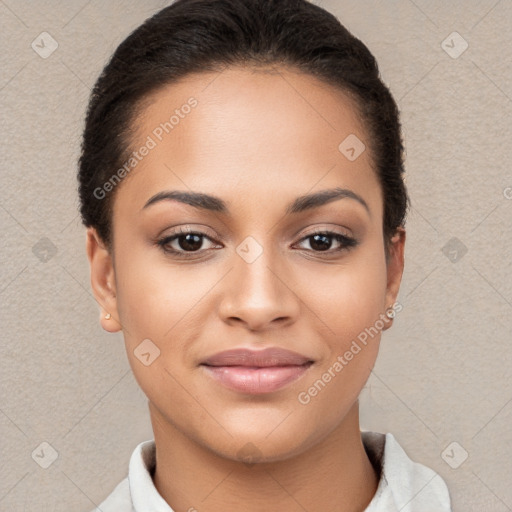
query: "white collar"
404, 485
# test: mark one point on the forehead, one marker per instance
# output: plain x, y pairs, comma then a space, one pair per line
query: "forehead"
246, 133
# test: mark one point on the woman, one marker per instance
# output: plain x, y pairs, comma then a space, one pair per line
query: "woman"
241, 181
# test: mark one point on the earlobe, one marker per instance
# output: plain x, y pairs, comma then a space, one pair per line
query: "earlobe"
395, 268
102, 280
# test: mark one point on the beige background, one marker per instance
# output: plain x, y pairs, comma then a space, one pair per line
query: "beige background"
444, 371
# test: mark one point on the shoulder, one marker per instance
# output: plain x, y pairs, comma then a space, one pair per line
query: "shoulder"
137, 490
118, 501
138, 481
404, 484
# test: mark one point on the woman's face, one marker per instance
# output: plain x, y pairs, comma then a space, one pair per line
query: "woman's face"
257, 276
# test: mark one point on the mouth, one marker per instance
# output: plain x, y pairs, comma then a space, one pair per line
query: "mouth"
255, 372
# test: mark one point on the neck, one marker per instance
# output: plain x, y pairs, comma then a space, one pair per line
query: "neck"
333, 475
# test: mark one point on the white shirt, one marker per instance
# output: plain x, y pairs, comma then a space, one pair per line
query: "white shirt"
404, 485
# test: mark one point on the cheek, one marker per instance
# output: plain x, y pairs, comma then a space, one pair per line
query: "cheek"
348, 300
348, 297
156, 303
349, 305
154, 296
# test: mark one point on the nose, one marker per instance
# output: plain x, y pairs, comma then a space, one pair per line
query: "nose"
258, 294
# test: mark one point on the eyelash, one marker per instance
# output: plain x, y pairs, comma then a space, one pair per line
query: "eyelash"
346, 242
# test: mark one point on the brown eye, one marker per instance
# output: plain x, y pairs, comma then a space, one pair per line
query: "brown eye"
190, 242
322, 241
184, 243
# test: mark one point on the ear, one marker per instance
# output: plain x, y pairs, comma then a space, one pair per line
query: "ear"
395, 268
102, 280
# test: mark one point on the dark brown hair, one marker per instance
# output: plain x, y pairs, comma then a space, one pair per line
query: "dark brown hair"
207, 35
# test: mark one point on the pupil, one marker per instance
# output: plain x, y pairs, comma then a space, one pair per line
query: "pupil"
188, 244
322, 246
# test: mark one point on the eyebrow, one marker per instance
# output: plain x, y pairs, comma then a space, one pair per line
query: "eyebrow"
216, 204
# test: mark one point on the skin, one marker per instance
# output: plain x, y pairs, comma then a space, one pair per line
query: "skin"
258, 139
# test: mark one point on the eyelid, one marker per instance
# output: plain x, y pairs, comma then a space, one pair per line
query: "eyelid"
338, 230
184, 229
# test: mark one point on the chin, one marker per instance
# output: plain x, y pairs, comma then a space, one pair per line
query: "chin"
258, 448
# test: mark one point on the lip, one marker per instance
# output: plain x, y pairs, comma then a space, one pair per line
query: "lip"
254, 372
